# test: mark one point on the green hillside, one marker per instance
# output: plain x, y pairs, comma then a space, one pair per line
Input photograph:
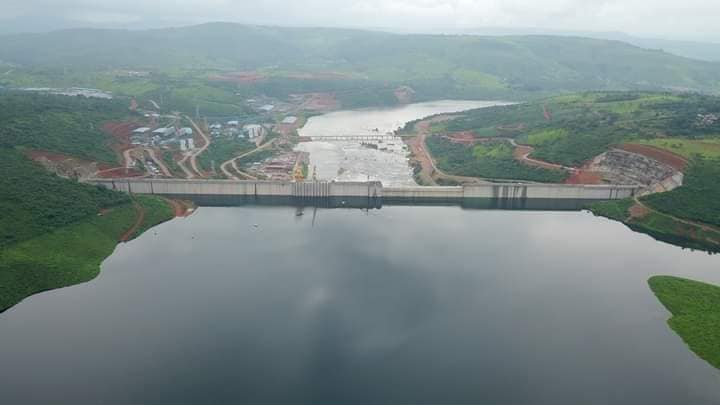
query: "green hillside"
55, 232
582, 126
436, 66
70, 125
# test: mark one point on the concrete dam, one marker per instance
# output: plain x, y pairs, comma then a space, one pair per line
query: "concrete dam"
374, 194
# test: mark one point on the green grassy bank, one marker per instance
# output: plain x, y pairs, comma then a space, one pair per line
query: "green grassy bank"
70, 254
695, 201
695, 307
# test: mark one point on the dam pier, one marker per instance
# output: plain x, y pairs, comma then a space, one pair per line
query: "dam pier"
373, 193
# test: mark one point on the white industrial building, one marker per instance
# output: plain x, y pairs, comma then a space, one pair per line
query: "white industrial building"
164, 132
289, 120
141, 131
254, 131
186, 131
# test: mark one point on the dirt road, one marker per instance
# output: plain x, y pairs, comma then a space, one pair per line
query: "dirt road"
522, 153
430, 173
181, 165
194, 156
140, 217
704, 227
127, 156
233, 162
158, 162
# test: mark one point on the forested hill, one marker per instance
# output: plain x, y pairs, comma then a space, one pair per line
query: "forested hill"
69, 125
503, 64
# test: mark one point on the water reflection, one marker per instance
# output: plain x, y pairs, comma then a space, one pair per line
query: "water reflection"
378, 203
398, 305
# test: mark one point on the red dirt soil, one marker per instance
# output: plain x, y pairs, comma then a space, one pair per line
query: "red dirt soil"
121, 131
182, 208
673, 160
318, 101
584, 177
319, 76
119, 173
547, 113
51, 156
463, 138
239, 77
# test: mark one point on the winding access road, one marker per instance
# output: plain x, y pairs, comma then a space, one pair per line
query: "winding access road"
233, 162
194, 156
704, 227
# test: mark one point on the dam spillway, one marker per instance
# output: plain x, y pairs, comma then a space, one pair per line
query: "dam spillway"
372, 193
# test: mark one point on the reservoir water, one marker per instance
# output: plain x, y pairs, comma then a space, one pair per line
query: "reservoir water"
402, 305
349, 160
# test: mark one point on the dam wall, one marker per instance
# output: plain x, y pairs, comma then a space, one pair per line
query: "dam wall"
373, 190
171, 187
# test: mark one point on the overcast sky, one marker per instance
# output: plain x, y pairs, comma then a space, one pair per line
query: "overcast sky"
681, 19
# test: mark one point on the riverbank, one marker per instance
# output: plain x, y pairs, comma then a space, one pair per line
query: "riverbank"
695, 307
687, 216
663, 227
72, 254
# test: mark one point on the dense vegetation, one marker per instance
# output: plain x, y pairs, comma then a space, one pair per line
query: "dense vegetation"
362, 67
70, 125
573, 129
492, 160
615, 209
34, 202
54, 232
699, 197
71, 254
695, 307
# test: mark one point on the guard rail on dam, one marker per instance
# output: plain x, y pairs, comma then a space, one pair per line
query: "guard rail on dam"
370, 190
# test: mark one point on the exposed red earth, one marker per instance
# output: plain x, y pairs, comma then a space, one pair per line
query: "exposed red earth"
673, 160
464, 138
239, 77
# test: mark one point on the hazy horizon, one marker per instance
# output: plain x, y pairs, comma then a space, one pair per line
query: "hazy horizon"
691, 20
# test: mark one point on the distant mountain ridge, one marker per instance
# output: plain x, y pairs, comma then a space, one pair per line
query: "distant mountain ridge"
466, 62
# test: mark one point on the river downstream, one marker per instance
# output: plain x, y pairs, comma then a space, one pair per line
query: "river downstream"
349, 160
410, 305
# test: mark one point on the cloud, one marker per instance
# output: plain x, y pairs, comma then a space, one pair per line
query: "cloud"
669, 18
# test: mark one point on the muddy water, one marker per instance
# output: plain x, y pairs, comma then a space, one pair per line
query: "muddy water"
403, 305
351, 161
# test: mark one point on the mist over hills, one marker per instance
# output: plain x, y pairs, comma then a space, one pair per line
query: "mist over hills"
534, 63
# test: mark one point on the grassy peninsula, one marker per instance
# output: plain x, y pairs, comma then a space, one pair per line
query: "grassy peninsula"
695, 309
70, 254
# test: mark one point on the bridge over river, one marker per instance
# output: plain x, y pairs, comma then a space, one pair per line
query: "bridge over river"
354, 138
373, 193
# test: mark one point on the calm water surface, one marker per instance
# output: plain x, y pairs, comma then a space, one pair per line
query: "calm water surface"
403, 305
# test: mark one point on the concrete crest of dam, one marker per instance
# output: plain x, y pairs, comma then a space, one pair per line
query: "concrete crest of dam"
373, 194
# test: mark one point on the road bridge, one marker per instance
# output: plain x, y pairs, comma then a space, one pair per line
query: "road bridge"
356, 138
